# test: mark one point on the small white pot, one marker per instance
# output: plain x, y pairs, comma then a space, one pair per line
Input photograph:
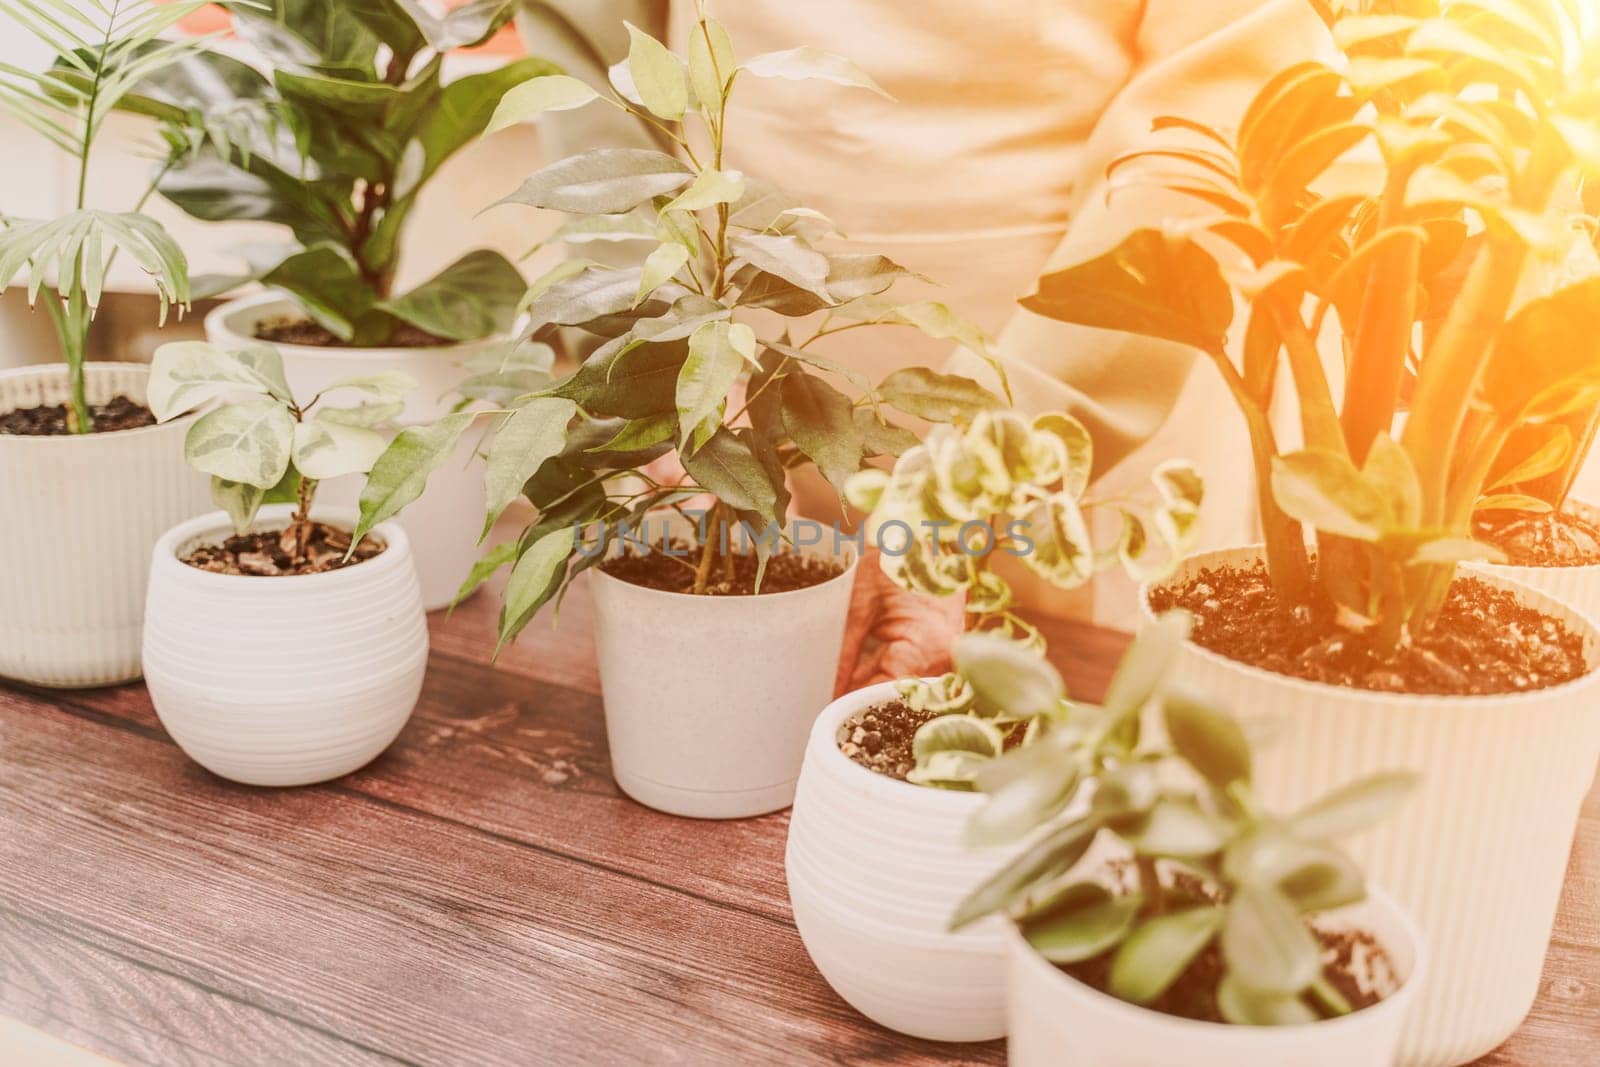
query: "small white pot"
1577, 586
1057, 1021
1479, 854
876, 868
289, 680
709, 699
445, 522
78, 515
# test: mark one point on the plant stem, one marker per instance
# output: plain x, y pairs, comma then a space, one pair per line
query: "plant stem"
715, 522
1155, 903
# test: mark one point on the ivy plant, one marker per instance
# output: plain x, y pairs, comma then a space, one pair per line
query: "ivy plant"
684, 364
994, 486
102, 49
1483, 117
1175, 807
258, 442
336, 144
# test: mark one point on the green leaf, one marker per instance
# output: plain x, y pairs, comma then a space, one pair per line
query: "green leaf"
789, 258
936, 397
821, 422
1266, 944
603, 181
592, 294
1177, 829
1159, 950
1243, 1006
533, 581
632, 384
246, 441
187, 374
1071, 439
474, 297
880, 438
711, 64
1042, 861
956, 733
1144, 667
807, 63
401, 473
1355, 807
1062, 551
1315, 876
1207, 738
710, 188
1327, 492
658, 75
553, 92
1546, 360
465, 107
726, 467
1082, 921
484, 569
466, 25
1007, 678
325, 280
529, 436
1020, 800
659, 267
637, 435
240, 500
326, 449
718, 355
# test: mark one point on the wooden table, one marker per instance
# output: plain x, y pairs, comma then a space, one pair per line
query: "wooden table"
480, 894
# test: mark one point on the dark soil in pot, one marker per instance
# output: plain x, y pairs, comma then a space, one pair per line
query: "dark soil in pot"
50, 420
1483, 642
672, 570
266, 553
1554, 539
311, 334
880, 738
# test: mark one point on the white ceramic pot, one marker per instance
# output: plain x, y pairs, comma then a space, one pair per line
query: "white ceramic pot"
876, 868
709, 699
1479, 855
78, 516
1057, 1021
445, 522
1577, 586
284, 681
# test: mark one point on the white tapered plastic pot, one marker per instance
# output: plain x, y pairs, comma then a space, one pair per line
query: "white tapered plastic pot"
1578, 586
1479, 854
283, 681
709, 699
876, 868
78, 517
445, 522
1057, 1021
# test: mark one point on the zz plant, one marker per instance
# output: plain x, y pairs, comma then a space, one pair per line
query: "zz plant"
1208, 866
259, 443
990, 487
1483, 116
336, 146
677, 336
103, 50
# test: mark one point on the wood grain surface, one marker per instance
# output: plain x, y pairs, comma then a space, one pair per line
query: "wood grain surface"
481, 894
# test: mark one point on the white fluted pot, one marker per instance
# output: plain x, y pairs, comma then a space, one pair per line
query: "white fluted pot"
445, 522
78, 517
876, 868
284, 681
1479, 855
1057, 1021
709, 699
1577, 586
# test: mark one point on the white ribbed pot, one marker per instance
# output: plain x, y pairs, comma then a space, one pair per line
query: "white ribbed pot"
1479, 855
1057, 1021
288, 680
444, 523
1577, 586
709, 699
876, 869
78, 516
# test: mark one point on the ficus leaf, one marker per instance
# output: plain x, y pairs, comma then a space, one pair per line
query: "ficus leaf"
529, 436
533, 581
821, 422
710, 188
603, 181
658, 75
714, 364
927, 394
553, 92
805, 62
401, 473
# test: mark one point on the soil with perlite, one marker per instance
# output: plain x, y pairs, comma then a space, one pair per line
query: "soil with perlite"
1483, 641
50, 420
314, 335
270, 553
672, 570
1553, 539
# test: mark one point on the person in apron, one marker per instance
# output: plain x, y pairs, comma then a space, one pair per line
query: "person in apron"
986, 170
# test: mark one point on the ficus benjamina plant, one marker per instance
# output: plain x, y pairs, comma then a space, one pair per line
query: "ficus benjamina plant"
1175, 805
684, 365
258, 442
1480, 119
993, 486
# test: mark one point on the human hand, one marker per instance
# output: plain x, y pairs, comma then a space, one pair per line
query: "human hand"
892, 633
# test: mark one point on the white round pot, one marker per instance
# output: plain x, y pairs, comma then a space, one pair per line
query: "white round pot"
1577, 586
289, 680
709, 699
1479, 854
78, 516
445, 522
1057, 1021
876, 868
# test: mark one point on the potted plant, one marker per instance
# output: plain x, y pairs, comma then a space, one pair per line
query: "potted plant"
89, 480
1161, 914
876, 855
279, 649
1373, 643
336, 145
716, 644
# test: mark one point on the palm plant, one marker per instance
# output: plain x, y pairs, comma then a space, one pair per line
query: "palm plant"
1483, 117
103, 48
